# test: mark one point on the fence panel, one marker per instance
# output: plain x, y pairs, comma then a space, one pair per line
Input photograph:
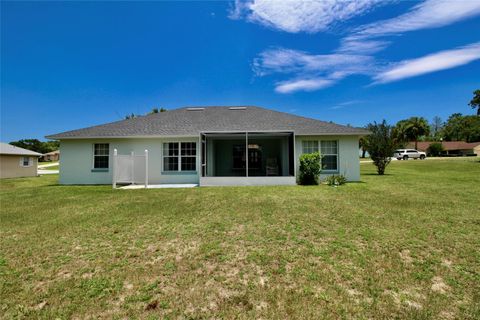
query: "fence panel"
130, 168
123, 170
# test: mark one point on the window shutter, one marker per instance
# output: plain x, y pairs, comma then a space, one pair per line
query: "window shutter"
30, 161
21, 162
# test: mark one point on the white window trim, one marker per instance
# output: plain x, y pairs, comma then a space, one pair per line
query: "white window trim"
179, 156
93, 156
22, 163
319, 145
311, 140
337, 154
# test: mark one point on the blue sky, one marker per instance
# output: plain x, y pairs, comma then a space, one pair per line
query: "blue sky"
67, 65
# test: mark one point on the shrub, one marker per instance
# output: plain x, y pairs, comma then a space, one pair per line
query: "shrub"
435, 149
310, 168
381, 144
336, 180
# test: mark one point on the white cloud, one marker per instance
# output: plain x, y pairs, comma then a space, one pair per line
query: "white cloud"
301, 15
310, 72
345, 104
303, 85
425, 15
361, 46
294, 61
433, 62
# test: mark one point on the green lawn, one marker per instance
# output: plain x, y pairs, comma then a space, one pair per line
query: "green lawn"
56, 167
404, 245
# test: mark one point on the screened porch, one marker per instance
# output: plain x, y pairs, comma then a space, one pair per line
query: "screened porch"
248, 154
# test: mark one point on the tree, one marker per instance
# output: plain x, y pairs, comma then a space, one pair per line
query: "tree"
310, 168
412, 129
436, 127
36, 145
475, 102
381, 144
156, 110
435, 149
462, 128
50, 146
361, 144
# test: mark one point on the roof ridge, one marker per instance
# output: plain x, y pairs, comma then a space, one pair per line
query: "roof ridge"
212, 118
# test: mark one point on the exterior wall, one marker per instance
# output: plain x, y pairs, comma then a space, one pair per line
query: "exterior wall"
10, 167
460, 152
51, 157
348, 160
246, 181
77, 160
476, 150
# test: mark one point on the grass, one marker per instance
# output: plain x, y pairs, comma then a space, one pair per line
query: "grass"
403, 245
56, 167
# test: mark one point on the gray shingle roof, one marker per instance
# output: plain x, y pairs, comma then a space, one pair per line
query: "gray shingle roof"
6, 148
188, 122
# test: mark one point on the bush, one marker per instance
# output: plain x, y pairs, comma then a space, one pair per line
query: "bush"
381, 144
310, 168
435, 149
335, 180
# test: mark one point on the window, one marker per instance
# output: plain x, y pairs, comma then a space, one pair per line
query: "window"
170, 156
179, 156
189, 156
25, 162
310, 146
100, 155
329, 151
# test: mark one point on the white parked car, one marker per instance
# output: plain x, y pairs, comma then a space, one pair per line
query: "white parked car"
406, 154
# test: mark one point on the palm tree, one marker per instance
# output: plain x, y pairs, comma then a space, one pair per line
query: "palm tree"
412, 129
361, 144
475, 102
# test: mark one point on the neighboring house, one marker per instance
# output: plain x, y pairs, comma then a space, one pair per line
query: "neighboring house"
51, 156
460, 148
211, 146
17, 162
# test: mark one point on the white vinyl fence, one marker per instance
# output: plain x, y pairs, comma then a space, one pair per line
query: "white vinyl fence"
131, 168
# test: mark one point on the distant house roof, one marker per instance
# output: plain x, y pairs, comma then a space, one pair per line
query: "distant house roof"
191, 121
447, 145
6, 148
51, 153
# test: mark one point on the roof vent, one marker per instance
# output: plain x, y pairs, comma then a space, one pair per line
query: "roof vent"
237, 108
195, 109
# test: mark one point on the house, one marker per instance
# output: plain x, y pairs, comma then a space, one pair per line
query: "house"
459, 148
17, 162
51, 156
210, 146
